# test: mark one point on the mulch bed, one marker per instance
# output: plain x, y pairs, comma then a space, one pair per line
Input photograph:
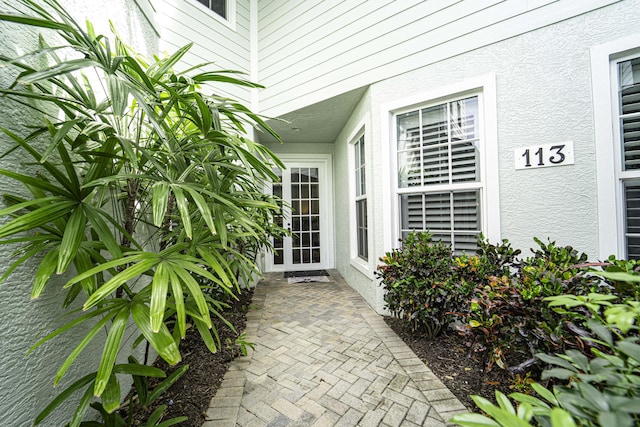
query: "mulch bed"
461, 370
191, 394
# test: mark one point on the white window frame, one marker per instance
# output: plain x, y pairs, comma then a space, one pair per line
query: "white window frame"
604, 75
361, 130
357, 168
485, 88
229, 21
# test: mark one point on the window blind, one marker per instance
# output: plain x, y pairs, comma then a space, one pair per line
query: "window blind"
437, 153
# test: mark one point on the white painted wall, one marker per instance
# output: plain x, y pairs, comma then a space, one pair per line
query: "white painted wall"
311, 51
224, 43
543, 96
358, 273
26, 382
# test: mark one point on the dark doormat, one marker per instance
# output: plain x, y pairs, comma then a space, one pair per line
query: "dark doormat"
311, 273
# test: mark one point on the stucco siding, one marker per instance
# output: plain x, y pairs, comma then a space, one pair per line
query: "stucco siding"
543, 85
27, 380
311, 51
357, 272
225, 45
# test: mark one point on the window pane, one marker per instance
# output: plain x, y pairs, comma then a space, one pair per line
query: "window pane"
464, 119
631, 142
219, 7
632, 211
438, 211
361, 228
629, 99
465, 208
409, 169
464, 161
412, 212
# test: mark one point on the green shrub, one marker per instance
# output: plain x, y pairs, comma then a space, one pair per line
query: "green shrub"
507, 318
601, 388
417, 280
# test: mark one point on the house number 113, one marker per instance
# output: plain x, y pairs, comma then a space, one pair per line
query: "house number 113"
539, 156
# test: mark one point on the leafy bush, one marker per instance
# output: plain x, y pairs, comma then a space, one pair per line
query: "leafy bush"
597, 389
417, 280
507, 317
154, 150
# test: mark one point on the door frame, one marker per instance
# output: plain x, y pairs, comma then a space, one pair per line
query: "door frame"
327, 257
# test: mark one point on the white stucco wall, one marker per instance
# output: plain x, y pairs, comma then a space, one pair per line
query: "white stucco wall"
543, 96
358, 273
27, 381
543, 83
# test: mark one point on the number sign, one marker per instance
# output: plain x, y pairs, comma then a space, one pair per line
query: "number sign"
540, 156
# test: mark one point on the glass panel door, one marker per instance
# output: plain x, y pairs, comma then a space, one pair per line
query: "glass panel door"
305, 216
300, 186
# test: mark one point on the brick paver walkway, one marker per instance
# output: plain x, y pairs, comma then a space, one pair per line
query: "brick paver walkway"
323, 357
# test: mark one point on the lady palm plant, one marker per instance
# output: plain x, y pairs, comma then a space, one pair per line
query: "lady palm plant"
144, 145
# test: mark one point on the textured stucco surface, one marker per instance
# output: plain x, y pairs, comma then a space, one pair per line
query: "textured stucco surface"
543, 96
361, 279
27, 381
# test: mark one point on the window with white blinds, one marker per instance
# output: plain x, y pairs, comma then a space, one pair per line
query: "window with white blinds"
439, 181
629, 122
362, 237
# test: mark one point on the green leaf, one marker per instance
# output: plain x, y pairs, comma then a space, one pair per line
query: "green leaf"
505, 418
473, 420
82, 408
555, 360
162, 341
630, 349
73, 236
203, 207
139, 370
43, 273
545, 393
205, 334
561, 418
159, 287
505, 403
111, 394
196, 294
617, 276
560, 373
86, 339
36, 182
156, 416
110, 351
159, 202
116, 281
104, 232
617, 419
178, 297
172, 422
35, 22
34, 219
183, 208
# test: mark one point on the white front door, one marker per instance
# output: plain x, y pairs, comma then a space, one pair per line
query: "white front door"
304, 186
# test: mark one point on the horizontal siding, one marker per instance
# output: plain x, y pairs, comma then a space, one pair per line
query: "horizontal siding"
225, 46
311, 51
